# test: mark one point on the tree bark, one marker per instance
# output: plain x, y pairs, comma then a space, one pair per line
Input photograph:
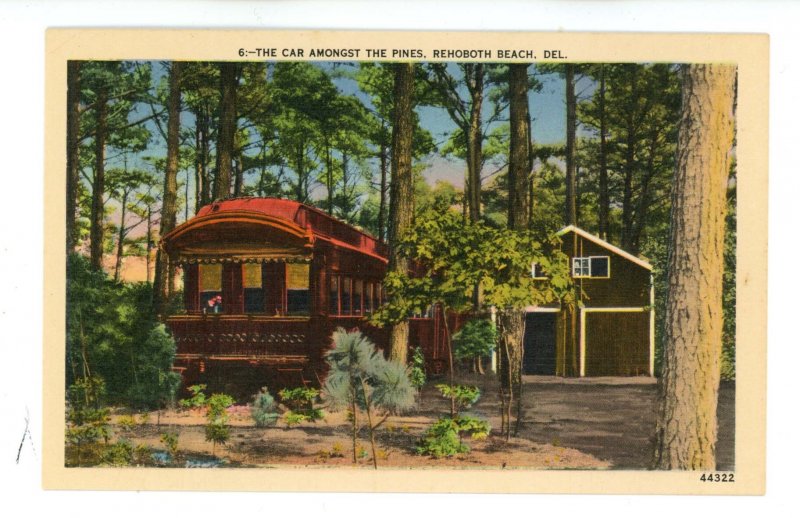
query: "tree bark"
227, 130
384, 157
686, 431
604, 202
73, 161
402, 189
511, 321
163, 277
121, 237
570, 214
475, 140
97, 231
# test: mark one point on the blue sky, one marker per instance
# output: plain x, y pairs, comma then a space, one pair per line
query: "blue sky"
546, 106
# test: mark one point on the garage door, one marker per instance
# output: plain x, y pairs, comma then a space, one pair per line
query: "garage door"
617, 343
540, 344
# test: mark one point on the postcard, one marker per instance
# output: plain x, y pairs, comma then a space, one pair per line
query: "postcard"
405, 261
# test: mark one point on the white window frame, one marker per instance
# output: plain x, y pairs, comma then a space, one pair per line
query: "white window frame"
588, 267
534, 264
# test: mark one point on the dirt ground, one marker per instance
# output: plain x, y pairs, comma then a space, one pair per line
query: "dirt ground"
593, 423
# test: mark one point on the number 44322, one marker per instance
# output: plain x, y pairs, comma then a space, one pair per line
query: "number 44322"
716, 477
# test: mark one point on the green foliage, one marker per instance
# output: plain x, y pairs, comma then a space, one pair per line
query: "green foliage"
126, 423
300, 401
476, 339
464, 395
417, 375
359, 373
118, 454
87, 419
264, 410
217, 429
360, 377
112, 333
170, 442
197, 399
454, 255
445, 437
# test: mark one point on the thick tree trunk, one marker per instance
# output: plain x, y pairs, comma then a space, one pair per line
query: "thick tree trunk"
630, 164
202, 190
511, 321
384, 157
604, 202
570, 214
402, 188
97, 231
121, 237
163, 276
227, 130
475, 142
73, 162
686, 431
519, 148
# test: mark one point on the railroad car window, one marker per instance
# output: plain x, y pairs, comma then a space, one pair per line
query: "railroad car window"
368, 286
358, 290
211, 288
333, 307
297, 292
346, 295
253, 289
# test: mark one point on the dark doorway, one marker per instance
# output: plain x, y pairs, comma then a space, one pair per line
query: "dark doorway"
540, 344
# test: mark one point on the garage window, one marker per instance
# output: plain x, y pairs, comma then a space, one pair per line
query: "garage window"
594, 267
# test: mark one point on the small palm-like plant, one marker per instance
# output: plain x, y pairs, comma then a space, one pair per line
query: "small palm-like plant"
361, 378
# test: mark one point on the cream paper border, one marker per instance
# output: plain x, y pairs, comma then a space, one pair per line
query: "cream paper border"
749, 52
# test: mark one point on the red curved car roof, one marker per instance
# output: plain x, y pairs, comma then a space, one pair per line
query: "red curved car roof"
306, 217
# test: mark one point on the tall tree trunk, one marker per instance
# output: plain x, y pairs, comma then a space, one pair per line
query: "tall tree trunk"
163, 276
570, 214
384, 156
402, 189
149, 241
630, 162
227, 129
686, 431
96, 232
511, 321
121, 236
475, 141
329, 175
73, 161
202, 186
604, 202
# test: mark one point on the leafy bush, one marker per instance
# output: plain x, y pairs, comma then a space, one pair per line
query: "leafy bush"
87, 419
113, 333
170, 442
197, 399
475, 340
465, 395
126, 423
445, 437
417, 375
300, 401
118, 454
264, 410
217, 429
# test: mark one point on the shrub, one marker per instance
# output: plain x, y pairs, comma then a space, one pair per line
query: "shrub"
474, 341
87, 420
118, 454
300, 401
445, 437
264, 409
464, 395
360, 377
197, 400
126, 423
170, 442
217, 429
417, 375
